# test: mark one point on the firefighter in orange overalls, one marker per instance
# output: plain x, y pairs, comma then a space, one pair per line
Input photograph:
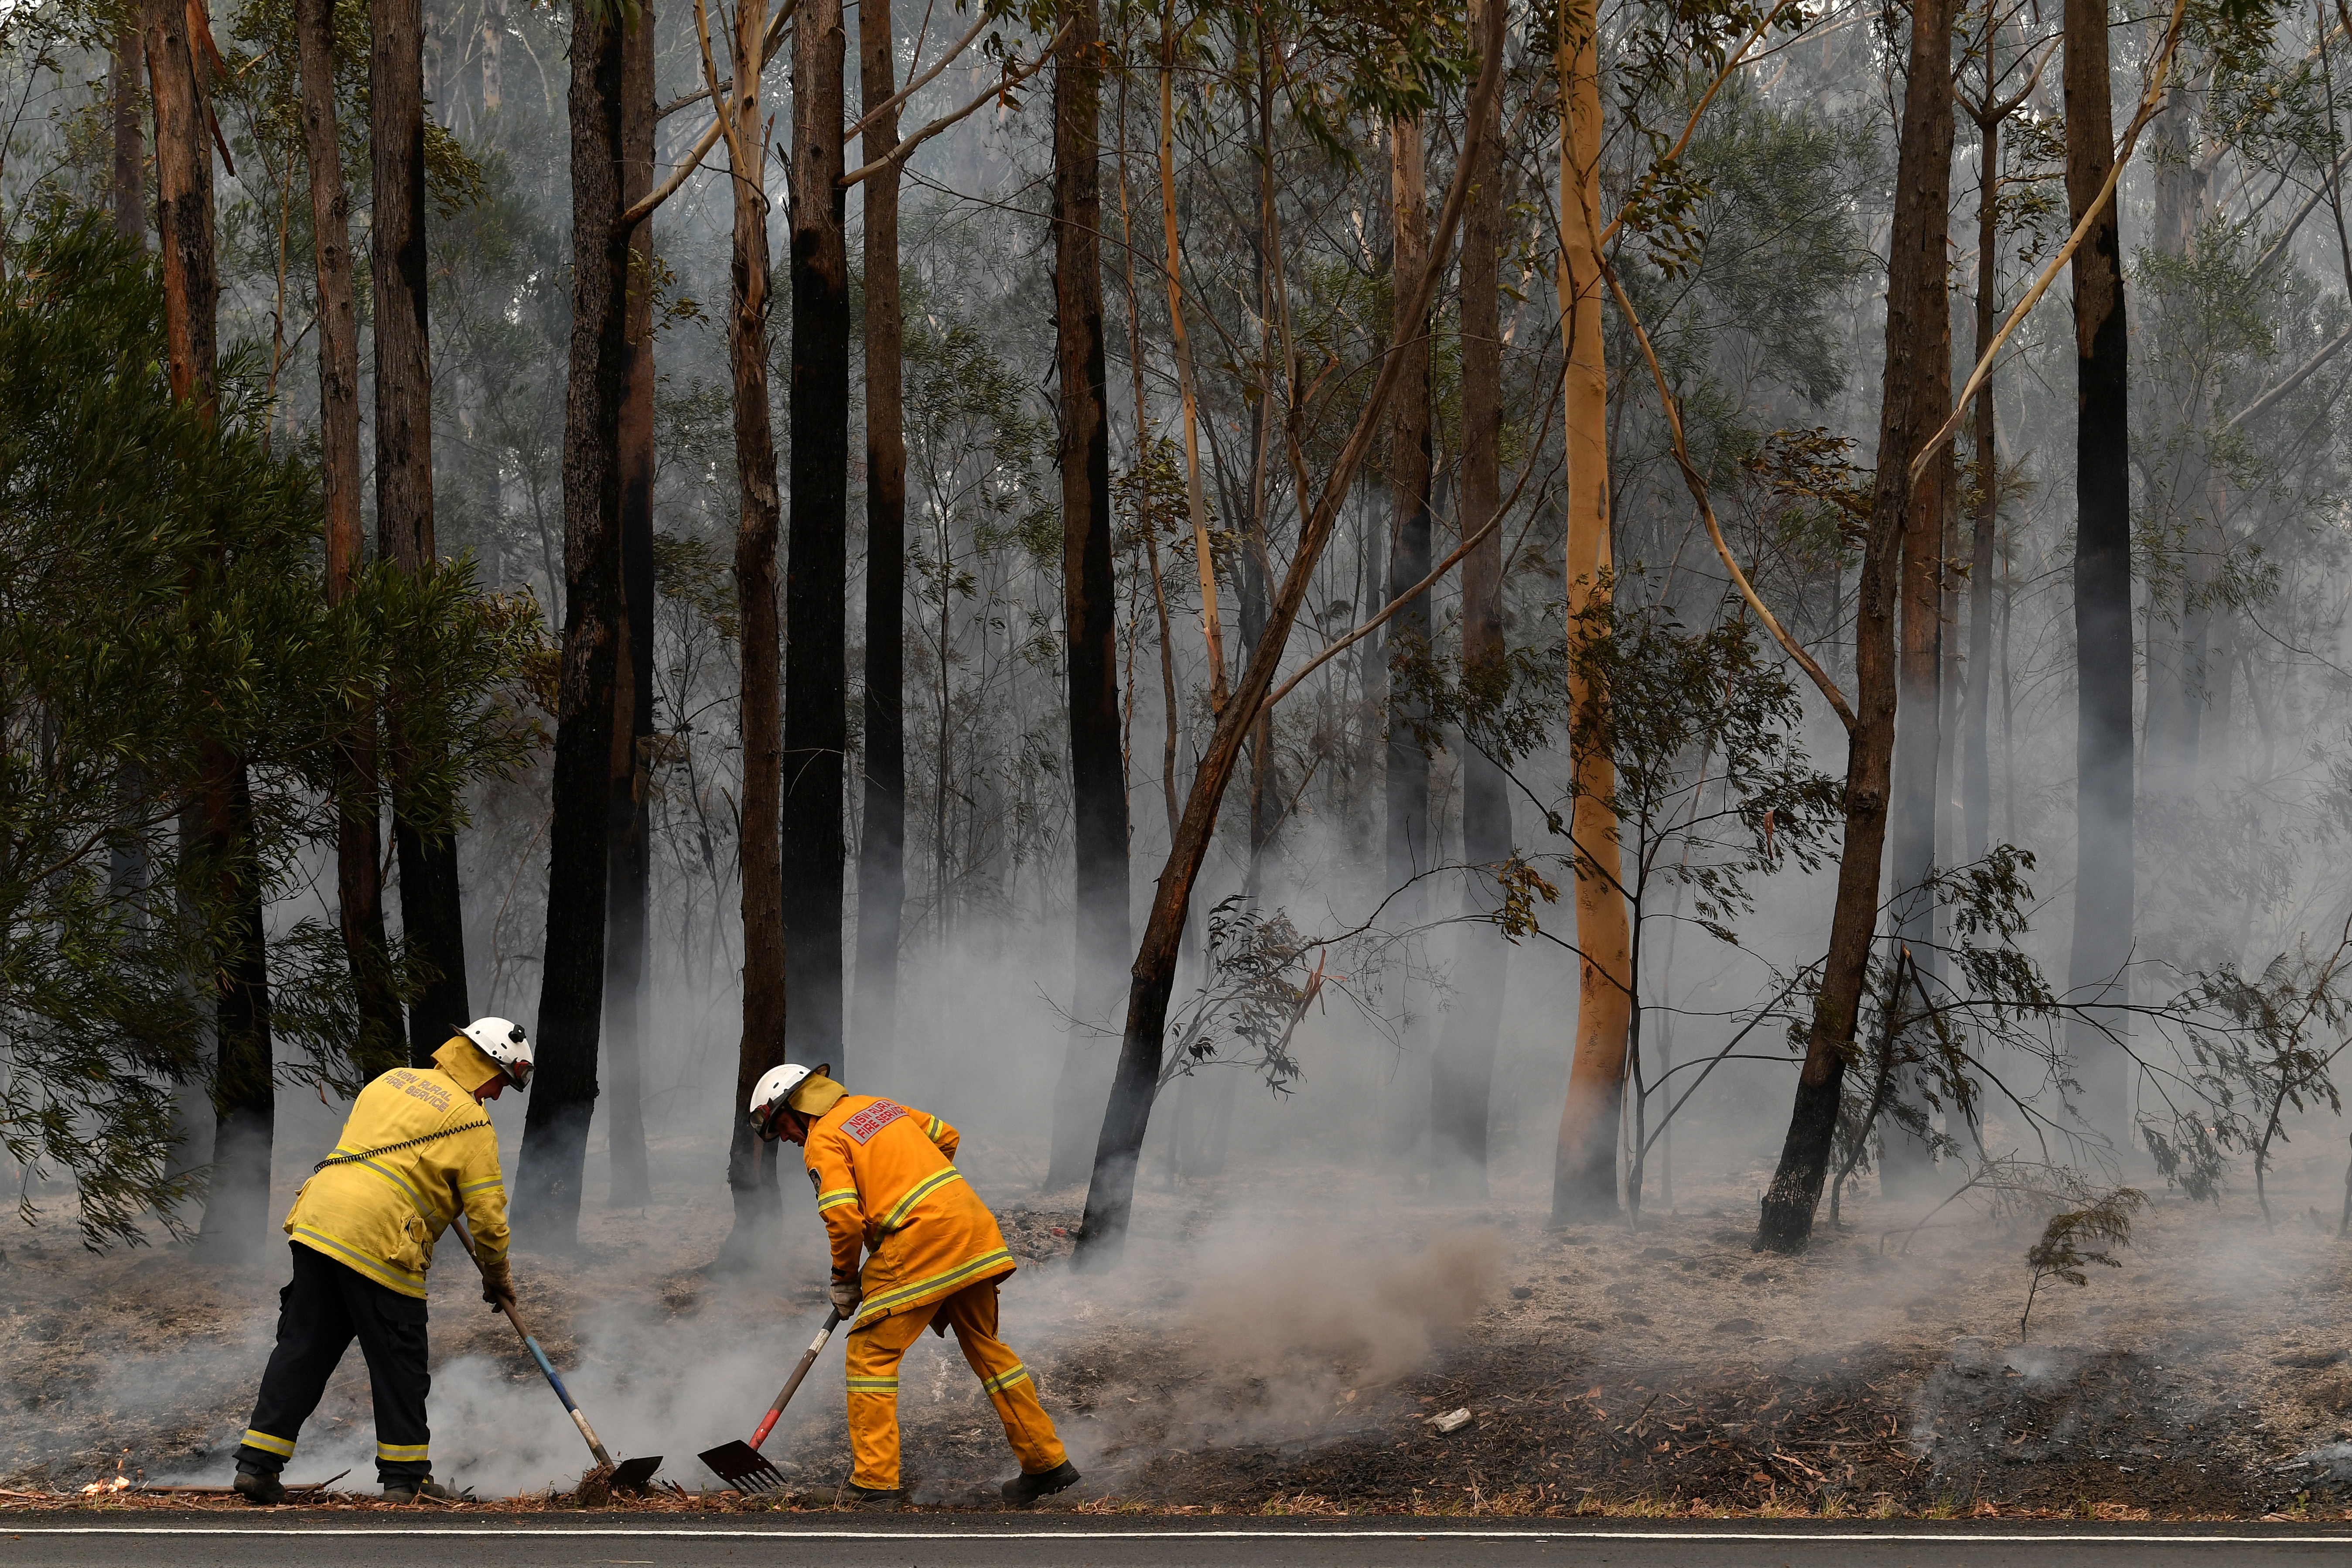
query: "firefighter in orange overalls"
887, 1187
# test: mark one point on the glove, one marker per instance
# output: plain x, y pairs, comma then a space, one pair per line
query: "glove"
497, 1286
845, 1296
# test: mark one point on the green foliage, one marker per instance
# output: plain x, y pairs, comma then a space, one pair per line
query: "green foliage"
160, 600
2074, 1238
1257, 990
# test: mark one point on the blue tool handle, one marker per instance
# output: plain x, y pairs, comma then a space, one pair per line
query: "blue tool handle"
548, 1367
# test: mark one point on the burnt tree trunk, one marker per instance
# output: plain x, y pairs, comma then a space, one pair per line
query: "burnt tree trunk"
1405, 639
130, 176
816, 583
1975, 761
1917, 392
1464, 1061
429, 904
1111, 1193
572, 987
882, 849
359, 863
1090, 618
217, 828
752, 1165
629, 887
2103, 630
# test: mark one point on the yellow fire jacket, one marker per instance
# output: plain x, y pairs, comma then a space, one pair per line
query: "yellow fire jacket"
423, 1147
885, 1185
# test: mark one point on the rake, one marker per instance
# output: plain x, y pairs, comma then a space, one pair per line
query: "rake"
738, 1463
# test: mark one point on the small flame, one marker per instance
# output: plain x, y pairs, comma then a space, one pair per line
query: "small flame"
118, 1483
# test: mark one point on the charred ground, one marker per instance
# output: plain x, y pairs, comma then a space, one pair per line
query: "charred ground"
1254, 1355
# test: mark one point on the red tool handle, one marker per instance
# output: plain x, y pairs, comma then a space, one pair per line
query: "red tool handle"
832, 1321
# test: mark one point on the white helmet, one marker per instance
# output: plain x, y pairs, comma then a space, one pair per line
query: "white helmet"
501, 1040
768, 1096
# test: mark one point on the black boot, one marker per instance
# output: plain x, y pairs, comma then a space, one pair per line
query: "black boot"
885, 1498
260, 1488
408, 1488
1026, 1489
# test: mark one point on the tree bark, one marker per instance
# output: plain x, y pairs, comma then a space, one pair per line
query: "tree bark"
217, 829
1111, 1192
1457, 1130
630, 884
1584, 1168
1917, 397
1466, 1051
2103, 630
1187, 389
1089, 608
1906, 1161
430, 912
752, 1165
359, 864
571, 988
1976, 763
882, 848
129, 178
816, 583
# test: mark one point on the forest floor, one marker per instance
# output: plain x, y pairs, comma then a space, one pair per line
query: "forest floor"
1305, 1345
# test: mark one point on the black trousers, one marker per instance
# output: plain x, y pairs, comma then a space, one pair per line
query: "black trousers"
326, 1306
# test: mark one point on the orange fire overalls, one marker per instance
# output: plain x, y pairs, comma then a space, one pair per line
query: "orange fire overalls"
886, 1186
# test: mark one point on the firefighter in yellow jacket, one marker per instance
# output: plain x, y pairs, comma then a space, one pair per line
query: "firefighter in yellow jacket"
887, 1187
417, 1150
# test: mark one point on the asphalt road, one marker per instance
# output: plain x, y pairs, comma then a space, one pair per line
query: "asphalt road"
934, 1541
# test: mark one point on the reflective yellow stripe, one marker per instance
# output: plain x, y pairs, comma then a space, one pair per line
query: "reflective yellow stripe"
282, 1446
928, 1185
482, 1187
873, 1386
835, 1198
375, 1269
416, 1199
932, 1131
401, 1451
936, 1284
1005, 1380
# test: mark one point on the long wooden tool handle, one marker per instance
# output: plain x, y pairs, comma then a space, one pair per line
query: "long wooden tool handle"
793, 1384
547, 1367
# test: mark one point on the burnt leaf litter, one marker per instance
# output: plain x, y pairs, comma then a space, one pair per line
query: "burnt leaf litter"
1664, 1372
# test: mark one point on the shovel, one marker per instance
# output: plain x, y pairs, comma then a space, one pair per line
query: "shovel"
630, 1475
738, 1463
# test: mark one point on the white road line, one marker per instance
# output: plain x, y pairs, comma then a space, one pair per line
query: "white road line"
1817, 1538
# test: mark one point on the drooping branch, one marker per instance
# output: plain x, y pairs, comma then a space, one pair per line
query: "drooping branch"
1013, 77
2149, 103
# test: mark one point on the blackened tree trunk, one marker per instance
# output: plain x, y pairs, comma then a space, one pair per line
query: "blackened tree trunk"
1097, 767
630, 886
752, 1165
1111, 1193
429, 907
1918, 394
217, 830
1464, 1061
1975, 761
129, 178
816, 583
2103, 630
1907, 1160
359, 862
882, 850
571, 988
